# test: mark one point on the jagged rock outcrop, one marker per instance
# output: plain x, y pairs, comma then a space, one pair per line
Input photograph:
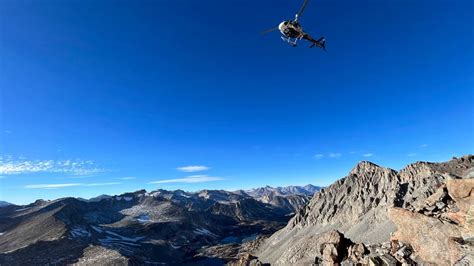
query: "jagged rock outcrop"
358, 206
428, 236
442, 223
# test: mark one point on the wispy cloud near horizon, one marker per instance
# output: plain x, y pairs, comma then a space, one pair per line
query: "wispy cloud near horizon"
189, 179
65, 185
101, 184
127, 178
21, 165
52, 186
368, 154
193, 168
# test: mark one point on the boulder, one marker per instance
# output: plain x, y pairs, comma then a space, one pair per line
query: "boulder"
432, 240
246, 259
356, 252
333, 247
462, 191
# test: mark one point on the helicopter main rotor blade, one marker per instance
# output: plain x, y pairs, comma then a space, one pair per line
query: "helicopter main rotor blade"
269, 30
302, 9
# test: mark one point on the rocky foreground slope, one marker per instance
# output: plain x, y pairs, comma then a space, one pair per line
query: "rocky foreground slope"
158, 227
375, 215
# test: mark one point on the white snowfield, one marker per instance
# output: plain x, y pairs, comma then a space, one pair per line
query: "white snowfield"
114, 239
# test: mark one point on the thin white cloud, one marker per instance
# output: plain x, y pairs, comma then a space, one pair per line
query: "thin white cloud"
127, 178
21, 165
55, 186
318, 156
102, 184
368, 155
411, 154
335, 155
189, 179
424, 145
52, 186
7, 132
193, 168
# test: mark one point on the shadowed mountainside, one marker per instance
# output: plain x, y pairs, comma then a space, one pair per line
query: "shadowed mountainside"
140, 227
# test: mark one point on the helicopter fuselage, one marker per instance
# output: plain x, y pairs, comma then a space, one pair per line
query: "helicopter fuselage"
291, 29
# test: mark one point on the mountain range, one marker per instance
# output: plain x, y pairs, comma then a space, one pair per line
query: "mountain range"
421, 214
142, 227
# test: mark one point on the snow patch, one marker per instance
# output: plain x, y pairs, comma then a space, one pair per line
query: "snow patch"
114, 239
2, 233
118, 198
144, 218
127, 198
182, 194
175, 247
22, 209
97, 229
203, 231
130, 239
80, 232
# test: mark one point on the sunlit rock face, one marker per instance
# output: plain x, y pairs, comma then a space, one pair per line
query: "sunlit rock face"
358, 206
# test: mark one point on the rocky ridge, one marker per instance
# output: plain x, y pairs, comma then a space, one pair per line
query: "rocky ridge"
4, 203
363, 207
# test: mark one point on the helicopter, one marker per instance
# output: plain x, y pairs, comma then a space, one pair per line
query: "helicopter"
292, 31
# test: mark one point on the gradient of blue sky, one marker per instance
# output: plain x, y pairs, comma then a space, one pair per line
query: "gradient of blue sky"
108, 96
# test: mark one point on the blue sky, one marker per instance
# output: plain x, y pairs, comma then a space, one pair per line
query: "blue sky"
112, 96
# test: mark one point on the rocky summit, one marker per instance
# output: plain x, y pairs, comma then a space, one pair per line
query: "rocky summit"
376, 215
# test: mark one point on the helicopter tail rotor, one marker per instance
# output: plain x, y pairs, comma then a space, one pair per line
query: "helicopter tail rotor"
321, 42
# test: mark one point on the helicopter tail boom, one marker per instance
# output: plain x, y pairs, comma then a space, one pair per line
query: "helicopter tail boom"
321, 42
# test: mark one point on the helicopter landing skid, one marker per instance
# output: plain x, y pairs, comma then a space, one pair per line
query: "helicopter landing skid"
292, 42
